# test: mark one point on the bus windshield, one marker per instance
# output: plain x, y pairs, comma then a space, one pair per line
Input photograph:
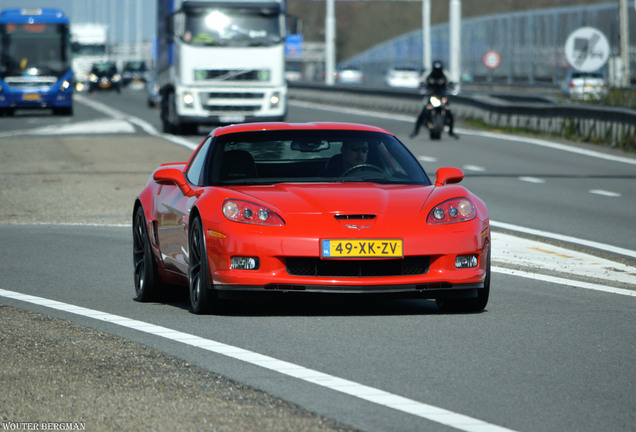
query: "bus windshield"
34, 49
232, 27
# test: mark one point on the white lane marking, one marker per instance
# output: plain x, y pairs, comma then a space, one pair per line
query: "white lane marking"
427, 158
147, 127
88, 127
352, 388
475, 168
525, 253
605, 193
569, 239
500, 136
562, 281
532, 180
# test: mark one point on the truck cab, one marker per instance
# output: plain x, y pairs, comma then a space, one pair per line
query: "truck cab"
220, 62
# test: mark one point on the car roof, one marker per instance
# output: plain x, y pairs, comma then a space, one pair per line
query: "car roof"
281, 126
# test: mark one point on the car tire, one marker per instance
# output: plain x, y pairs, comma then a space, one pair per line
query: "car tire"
472, 305
202, 298
148, 283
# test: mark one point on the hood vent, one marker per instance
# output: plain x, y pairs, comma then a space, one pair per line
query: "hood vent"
355, 217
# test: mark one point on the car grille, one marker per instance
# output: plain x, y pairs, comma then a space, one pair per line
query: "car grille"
357, 268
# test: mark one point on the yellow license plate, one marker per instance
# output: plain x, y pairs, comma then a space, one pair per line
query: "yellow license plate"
362, 248
31, 96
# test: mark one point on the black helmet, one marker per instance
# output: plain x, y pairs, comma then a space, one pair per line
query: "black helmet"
438, 65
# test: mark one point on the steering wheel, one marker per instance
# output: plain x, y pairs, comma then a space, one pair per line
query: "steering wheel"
362, 167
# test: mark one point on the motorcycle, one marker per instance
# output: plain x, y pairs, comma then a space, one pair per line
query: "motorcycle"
435, 113
436, 119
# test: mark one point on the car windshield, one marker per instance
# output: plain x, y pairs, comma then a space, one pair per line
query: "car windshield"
309, 156
586, 75
104, 68
135, 66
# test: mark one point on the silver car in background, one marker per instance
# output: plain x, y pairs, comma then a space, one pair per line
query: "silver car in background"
585, 85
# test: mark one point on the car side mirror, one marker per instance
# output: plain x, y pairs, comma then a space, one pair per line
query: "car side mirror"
173, 176
448, 175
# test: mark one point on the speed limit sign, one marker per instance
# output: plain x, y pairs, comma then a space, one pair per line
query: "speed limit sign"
492, 59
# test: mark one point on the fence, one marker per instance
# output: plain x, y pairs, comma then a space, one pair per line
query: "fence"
531, 44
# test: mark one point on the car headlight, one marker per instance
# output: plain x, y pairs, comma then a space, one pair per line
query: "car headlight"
93, 78
116, 77
247, 212
452, 211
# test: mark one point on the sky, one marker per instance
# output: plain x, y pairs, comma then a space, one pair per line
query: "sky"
127, 19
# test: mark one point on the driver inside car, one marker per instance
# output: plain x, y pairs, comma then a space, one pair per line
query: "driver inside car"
352, 153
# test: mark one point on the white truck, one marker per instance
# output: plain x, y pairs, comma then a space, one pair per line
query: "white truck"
220, 62
88, 44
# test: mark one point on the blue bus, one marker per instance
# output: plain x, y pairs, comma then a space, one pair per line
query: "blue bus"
35, 61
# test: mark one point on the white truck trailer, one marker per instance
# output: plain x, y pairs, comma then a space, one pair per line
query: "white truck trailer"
220, 62
88, 44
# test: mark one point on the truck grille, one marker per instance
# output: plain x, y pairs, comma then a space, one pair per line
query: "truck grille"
257, 75
247, 102
357, 268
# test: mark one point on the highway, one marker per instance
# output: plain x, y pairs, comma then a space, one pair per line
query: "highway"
554, 349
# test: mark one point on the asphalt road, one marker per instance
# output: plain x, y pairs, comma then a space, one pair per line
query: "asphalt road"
544, 356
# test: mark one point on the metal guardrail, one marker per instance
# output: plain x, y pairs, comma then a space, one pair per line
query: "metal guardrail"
500, 109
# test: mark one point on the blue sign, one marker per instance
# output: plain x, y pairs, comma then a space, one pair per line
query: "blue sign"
294, 45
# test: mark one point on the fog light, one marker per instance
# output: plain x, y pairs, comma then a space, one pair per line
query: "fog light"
466, 261
244, 263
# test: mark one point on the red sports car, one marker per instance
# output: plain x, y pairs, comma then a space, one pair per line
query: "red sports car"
331, 208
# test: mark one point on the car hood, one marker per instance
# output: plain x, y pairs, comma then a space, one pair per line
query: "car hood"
342, 198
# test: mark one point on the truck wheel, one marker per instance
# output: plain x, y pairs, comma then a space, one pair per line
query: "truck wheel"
166, 126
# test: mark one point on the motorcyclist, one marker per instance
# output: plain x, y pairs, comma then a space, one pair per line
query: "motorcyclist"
436, 83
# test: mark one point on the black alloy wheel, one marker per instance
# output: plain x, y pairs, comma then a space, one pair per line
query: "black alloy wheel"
201, 297
147, 280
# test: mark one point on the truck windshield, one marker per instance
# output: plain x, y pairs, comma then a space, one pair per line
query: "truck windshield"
89, 49
34, 49
227, 27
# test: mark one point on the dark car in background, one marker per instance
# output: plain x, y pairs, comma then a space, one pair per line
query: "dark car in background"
104, 76
134, 72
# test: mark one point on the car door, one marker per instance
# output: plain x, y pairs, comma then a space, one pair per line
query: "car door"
173, 215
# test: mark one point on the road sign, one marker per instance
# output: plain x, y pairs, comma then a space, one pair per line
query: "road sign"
587, 49
294, 45
492, 59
